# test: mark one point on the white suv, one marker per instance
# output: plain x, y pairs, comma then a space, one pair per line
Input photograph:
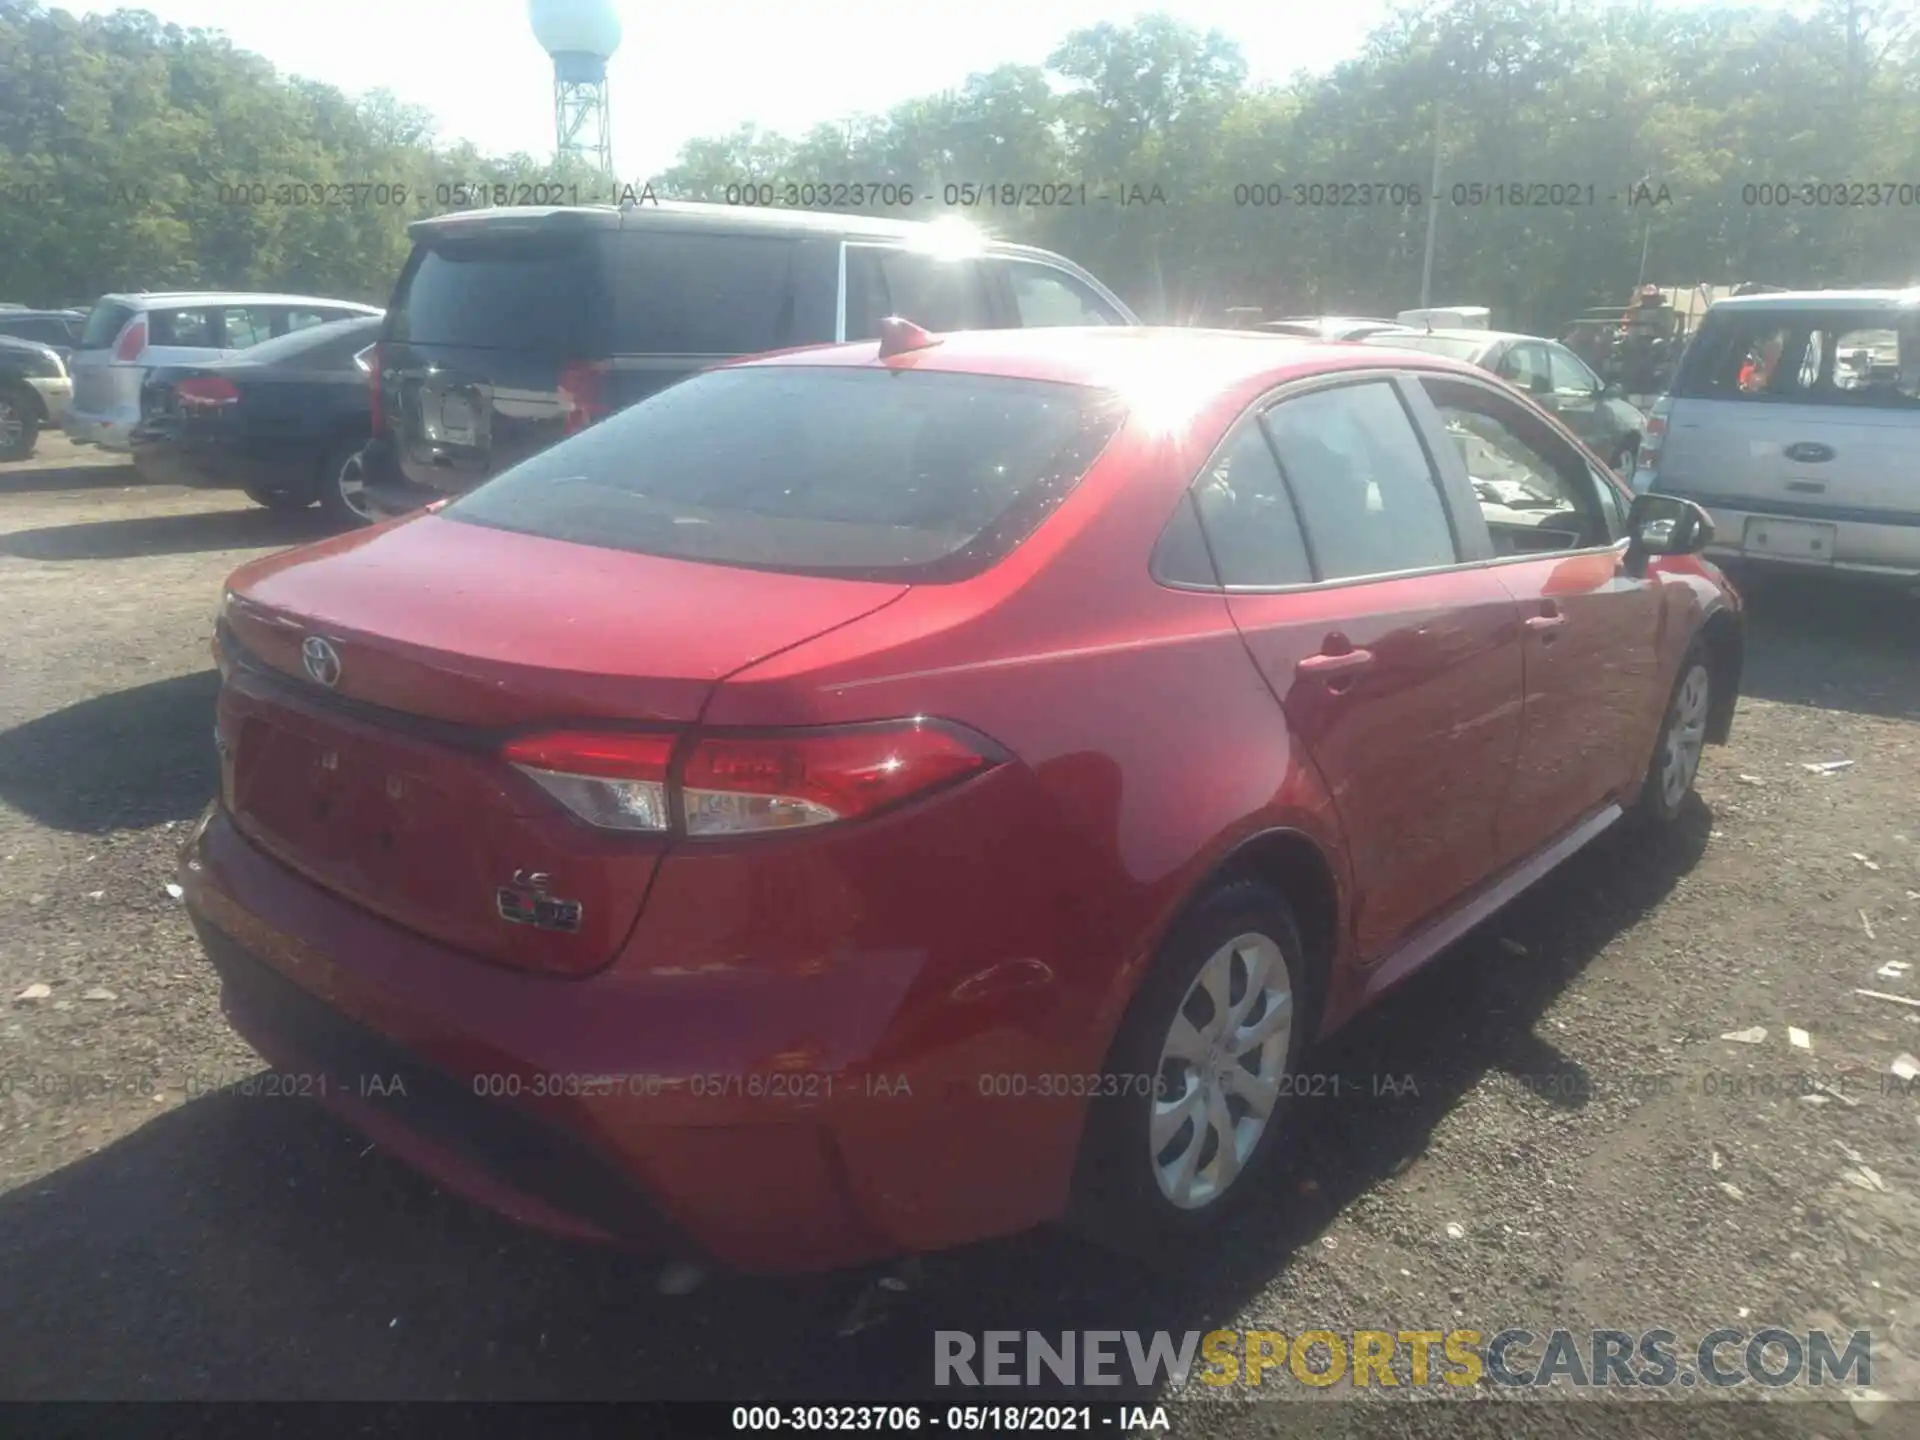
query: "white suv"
128, 335
1795, 419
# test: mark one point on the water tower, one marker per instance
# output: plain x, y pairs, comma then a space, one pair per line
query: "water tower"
579, 35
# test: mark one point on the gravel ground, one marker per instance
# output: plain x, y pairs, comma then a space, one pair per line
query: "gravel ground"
1575, 1145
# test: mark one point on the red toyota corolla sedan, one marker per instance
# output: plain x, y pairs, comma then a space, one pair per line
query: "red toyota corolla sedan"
875, 797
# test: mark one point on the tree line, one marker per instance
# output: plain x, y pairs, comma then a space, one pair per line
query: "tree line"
1581, 148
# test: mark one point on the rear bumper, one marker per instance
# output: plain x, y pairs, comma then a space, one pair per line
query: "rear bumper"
389, 492
108, 431
166, 459
1887, 549
635, 1106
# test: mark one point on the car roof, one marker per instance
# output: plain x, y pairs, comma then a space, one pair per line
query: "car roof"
1125, 357
1485, 337
153, 299
14, 342
1821, 300
21, 312
697, 215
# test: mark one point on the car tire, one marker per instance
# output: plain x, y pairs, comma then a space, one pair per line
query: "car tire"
1156, 1122
19, 424
342, 486
1682, 740
284, 501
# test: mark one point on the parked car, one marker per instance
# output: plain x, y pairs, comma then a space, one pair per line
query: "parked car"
873, 797
511, 329
1328, 327
127, 335
1557, 379
35, 391
285, 420
60, 330
1796, 417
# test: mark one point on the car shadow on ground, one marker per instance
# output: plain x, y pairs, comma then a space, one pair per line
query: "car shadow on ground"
245, 529
349, 1277
1831, 642
126, 760
48, 479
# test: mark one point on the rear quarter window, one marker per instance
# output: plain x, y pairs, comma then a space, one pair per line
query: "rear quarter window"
682, 293
916, 477
191, 329
537, 293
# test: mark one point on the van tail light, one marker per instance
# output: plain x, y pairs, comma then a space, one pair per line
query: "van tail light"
132, 342
749, 783
583, 394
206, 391
374, 403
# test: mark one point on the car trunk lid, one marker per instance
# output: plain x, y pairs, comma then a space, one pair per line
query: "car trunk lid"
387, 786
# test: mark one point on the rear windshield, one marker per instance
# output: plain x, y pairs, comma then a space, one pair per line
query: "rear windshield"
529, 293
307, 347
1808, 357
104, 325
917, 477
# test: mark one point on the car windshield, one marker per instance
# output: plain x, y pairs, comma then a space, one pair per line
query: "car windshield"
869, 474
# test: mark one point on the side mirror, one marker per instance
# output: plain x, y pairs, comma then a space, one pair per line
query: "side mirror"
1665, 525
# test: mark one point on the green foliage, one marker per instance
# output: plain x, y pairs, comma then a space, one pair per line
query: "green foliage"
136, 154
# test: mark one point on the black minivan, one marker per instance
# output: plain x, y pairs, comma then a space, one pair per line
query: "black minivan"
511, 329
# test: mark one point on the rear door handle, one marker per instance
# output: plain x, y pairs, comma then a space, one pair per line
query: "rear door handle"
1547, 623
1321, 667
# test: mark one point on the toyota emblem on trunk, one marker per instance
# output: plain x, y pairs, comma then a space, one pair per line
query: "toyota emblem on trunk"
322, 661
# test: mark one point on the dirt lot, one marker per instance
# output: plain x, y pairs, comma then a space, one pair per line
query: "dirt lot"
1607, 1158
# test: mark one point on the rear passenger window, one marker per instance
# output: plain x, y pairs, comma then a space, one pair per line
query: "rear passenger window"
1248, 516
683, 293
244, 326
307, 319
1044, 296
932, 292
192, 328
1367, 495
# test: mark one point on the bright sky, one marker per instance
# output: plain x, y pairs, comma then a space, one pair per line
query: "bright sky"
686, 70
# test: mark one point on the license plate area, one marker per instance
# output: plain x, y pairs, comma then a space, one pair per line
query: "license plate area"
450, 419
1806, 541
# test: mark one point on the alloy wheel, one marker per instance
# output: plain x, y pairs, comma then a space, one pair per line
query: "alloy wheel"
351, 482
1221, 1068
1686, 735
13, 428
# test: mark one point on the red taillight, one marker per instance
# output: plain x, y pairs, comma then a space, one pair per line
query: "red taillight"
1651, 441
739, 785
373, 388
746, 784
615, 780
203, 390
583, 394
132, 342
